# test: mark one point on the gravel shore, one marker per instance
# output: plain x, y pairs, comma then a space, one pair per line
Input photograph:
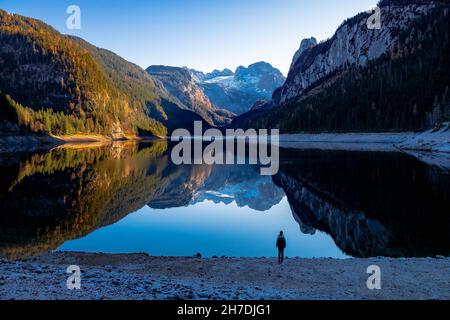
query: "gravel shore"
142, 277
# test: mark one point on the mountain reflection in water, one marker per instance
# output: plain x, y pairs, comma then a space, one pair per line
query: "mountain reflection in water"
370, 203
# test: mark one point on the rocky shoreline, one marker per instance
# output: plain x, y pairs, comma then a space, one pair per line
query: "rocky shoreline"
142, 277
436, 140
20, 143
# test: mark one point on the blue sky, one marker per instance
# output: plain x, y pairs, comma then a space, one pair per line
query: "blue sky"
202, 34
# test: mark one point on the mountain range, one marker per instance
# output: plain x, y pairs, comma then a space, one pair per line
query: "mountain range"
56, 84
361, 79
238, 91
220, 95
62, 85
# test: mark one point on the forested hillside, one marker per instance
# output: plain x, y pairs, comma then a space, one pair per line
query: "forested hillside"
61, 85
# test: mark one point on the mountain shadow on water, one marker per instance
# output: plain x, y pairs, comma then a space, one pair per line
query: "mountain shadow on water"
48, 198
371, 203
67, 193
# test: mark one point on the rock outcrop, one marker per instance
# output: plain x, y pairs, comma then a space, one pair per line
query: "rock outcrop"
352, 231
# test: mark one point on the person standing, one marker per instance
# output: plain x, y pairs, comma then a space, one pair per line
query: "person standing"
281, 245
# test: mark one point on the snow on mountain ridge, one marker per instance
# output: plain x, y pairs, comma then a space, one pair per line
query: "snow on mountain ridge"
239, 91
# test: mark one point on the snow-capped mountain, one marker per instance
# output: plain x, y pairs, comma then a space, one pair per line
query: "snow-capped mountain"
238, 91
181, 83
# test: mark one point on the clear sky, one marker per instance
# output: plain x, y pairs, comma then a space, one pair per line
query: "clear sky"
201, 34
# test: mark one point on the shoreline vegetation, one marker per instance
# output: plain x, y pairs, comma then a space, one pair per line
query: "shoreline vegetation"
144, 277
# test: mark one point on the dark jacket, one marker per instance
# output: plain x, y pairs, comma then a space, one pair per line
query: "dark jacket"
281, 242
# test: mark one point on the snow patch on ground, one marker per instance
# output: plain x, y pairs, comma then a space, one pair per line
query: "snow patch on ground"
435, 140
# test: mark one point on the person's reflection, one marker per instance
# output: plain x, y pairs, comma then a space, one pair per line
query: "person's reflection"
281, 245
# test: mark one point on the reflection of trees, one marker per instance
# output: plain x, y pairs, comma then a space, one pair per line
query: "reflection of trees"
67, 193
370, 203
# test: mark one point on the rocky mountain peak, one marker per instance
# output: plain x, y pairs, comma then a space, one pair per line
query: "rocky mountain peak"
256, 69
260, 75
217, 73
238, 91
305, 44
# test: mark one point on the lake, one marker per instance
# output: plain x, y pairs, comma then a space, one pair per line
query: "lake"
131, 198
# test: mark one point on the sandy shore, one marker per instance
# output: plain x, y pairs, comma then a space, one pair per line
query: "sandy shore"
142, 277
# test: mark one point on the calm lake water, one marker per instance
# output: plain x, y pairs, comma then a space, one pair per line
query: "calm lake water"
129, 198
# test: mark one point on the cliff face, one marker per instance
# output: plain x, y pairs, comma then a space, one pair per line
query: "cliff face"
218, 96
353, 44
364, 79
